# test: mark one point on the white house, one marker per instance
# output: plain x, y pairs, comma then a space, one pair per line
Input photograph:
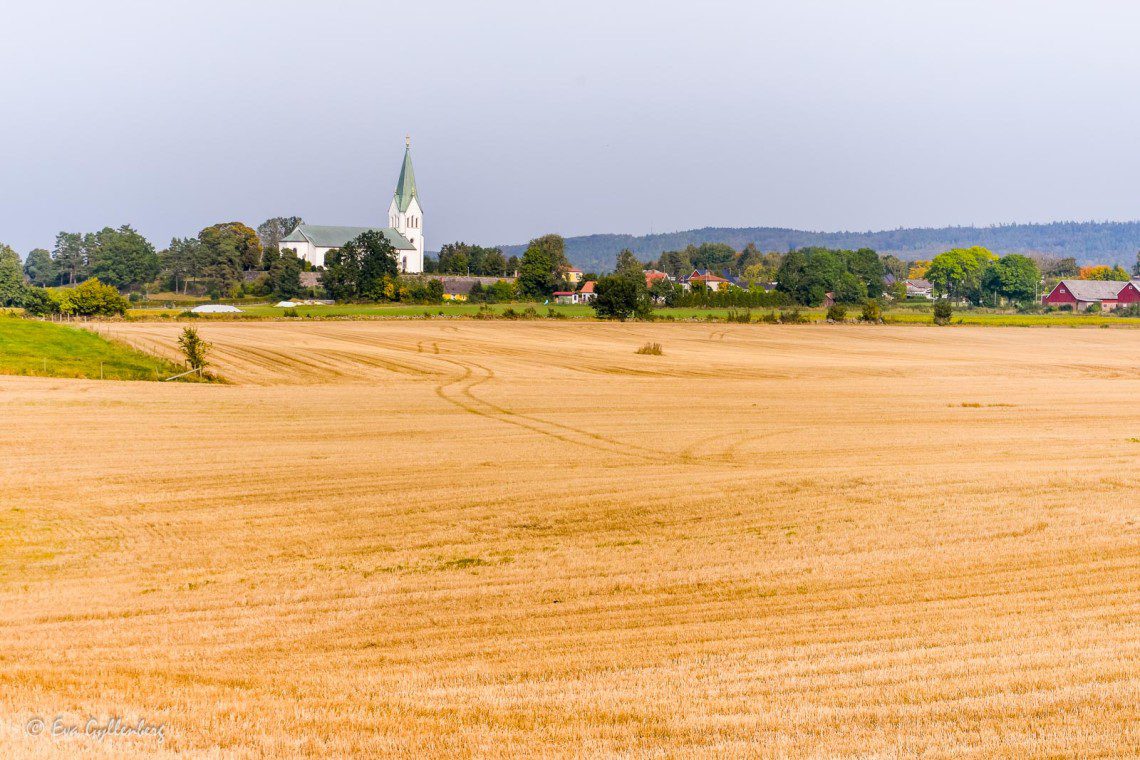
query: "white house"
405, 227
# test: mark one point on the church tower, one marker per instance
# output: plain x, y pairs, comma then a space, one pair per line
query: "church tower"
405, 215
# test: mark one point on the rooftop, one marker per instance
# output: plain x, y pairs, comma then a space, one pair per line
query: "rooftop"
324, 236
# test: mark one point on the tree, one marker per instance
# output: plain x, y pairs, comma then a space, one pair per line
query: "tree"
271, 232
39, 267
285, 275
494, 263
1104, 272
230, 248
70, 255
123, 258
958, 273
12, 286
364, 268
627, 262
1013, 277
715, 256
808, 274
664, 291
675, 263
621, 296
183, 260
544, 258
193, 348
867, 267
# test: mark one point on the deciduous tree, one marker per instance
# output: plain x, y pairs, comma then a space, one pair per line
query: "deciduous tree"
544, 258
39, 267
12, 285
123, 258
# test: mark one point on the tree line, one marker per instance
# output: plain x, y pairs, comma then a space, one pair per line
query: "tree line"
214, 262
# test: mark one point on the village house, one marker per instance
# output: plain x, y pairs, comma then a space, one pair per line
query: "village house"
1081, 294
585, 295
919, 288
654, 276
705, 277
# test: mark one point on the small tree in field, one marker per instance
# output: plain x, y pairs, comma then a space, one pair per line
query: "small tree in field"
193, 348
872, 311
942, 312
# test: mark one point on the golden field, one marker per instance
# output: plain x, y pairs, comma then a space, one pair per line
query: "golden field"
487, 539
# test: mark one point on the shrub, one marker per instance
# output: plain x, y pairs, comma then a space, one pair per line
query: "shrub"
744, 317
837, 312
290, 313
650, 349
769, 318
1131, 310
792, 317
193, 348
942, 312
510, 313
529, 313
872, 311
1094, 308
89, 299
552, 313
39, 303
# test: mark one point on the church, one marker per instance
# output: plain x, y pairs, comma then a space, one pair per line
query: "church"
405, 227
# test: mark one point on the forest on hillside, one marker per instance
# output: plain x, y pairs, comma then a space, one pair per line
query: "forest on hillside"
1088, 242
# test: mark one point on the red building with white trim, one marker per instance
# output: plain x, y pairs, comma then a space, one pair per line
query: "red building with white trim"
1081, 294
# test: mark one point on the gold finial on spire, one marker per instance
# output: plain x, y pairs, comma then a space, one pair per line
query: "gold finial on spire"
407, 141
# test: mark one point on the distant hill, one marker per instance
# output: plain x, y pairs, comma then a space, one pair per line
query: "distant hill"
1088, 242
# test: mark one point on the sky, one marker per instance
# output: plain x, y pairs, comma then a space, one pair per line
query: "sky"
570, 117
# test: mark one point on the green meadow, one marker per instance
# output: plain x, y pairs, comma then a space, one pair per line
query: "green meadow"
46, 349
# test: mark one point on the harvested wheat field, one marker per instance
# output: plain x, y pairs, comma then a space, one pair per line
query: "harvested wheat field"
489, 539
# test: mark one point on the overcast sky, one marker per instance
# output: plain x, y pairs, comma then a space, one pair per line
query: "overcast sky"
579, 117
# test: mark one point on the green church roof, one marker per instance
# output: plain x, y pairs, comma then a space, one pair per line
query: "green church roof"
406, 186
323, 236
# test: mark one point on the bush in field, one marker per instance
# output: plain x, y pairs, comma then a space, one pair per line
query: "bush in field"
650, 349
872, 311
744, 317
88, 299
1131, 310
792, 317
837, 312
1094, 308
193, 348
39, 303
942, 312
770, 318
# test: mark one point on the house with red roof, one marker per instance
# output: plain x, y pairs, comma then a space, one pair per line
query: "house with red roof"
706, 278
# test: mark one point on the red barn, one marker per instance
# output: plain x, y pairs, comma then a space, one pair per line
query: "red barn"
1081, 294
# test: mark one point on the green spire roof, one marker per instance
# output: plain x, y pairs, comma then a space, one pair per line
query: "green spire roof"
406, 186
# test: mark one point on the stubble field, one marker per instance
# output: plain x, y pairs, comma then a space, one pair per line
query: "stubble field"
469, 539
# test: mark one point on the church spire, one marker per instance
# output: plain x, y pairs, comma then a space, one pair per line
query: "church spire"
406, 185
